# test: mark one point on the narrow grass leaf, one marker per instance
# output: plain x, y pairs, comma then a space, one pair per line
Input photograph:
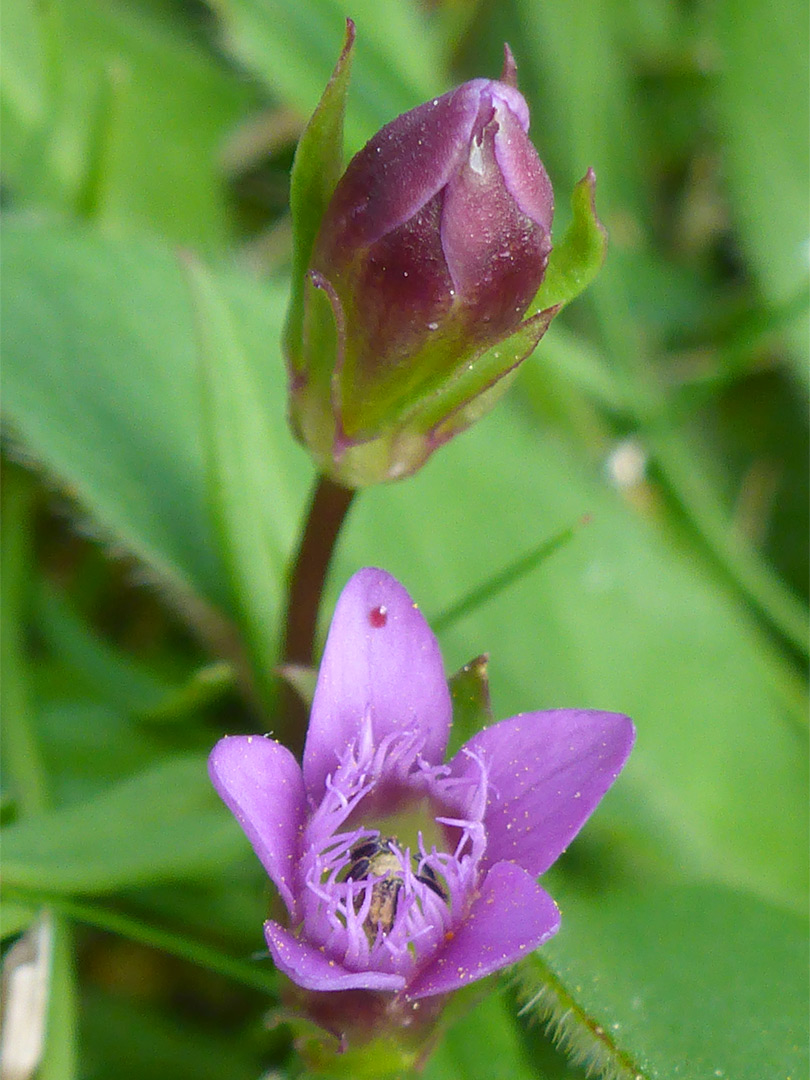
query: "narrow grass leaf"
240, 459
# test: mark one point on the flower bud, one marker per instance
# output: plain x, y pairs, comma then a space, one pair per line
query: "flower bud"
429, 252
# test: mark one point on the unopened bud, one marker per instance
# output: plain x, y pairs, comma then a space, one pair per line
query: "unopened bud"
429, 253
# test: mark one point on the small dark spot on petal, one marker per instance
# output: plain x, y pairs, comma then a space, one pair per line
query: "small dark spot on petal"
378, 617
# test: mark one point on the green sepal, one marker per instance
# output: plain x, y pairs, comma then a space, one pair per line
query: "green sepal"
477, 386
576, 261
317, 167
379, 1059
360, 1034
403, 445
469, 694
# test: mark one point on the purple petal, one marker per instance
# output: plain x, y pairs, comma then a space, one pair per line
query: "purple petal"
523, 171
547, 772
307, 966
381, 664
419, 150
405, 272
511, 916
260, 782
495, 253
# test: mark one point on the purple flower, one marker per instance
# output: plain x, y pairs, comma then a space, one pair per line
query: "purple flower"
401, 872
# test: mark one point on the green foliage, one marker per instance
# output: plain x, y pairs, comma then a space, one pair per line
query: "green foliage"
291, 48
161, 824
664, 951
152, 495
115, 112
110, 323
238, 450
768, 161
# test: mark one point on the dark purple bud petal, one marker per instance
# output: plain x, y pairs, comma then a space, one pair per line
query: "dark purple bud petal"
398, 171
444, 215
496, 218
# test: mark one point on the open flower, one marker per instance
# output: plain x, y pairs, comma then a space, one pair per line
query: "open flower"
400, 872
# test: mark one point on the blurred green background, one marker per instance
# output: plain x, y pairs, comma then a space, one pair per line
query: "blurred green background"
152, 496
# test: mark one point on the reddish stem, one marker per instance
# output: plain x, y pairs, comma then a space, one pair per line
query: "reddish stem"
327, 512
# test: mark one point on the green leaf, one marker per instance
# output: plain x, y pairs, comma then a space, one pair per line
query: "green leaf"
584, 79
455, 396
102, 385
291, 48
504, 579
22, 759
16, 917
163, 823
61, 1058
107, 673
87, 745
579, 366
137, 1040
485, 1044
767, 148
576, 261
316, 170
204, 687
23, 82
636, 984
241, 474
99, 382
144, 933
680, 467
111, 110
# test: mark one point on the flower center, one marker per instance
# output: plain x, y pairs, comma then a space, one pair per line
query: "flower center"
390, 855
379, 862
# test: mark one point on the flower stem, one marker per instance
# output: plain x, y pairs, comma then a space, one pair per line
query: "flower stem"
327, 512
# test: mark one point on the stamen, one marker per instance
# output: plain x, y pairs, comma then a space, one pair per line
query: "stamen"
372, 903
